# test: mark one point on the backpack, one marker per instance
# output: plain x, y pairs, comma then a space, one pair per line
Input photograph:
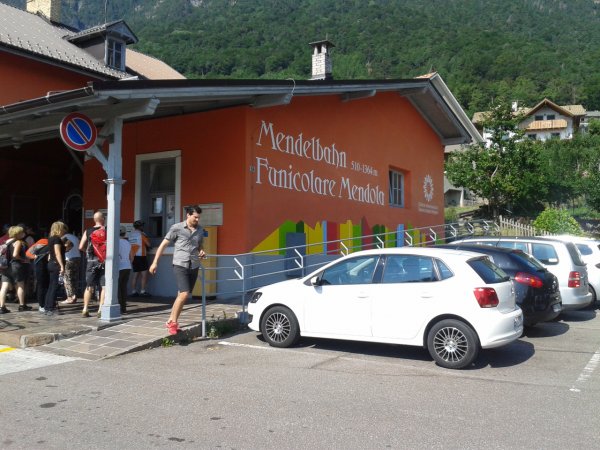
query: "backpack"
38, 251
98, 243
4, 257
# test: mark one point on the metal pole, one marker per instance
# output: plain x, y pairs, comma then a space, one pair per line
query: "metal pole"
111, 309
203, 301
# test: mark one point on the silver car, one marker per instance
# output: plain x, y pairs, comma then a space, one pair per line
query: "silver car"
560, 257
590, 253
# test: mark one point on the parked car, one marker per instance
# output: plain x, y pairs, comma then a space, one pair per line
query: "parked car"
536, 288
451, 302
590, 253
559, 257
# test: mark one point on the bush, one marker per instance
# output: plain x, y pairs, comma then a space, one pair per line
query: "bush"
557, 221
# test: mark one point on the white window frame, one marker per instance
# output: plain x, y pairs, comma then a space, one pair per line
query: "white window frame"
393, 176
111, 51
139, 159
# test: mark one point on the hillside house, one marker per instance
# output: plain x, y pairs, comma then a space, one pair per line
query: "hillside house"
544, 121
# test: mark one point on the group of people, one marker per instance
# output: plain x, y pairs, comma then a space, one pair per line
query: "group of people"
58, 257
46, 262
37, 268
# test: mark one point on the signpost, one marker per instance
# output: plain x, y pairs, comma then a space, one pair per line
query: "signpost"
78, 132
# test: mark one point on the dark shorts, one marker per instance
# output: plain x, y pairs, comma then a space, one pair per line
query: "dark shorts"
7, 277
139, 264
186, 278
94, 274
19, 272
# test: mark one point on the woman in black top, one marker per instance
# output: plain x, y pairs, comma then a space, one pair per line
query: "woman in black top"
18, 269
56, 265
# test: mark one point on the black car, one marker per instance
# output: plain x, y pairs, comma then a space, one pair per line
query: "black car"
536, 289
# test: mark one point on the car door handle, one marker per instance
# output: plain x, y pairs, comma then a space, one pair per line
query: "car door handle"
426, 294
362, 295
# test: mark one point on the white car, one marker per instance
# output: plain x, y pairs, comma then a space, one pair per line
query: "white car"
451, 302
590, 253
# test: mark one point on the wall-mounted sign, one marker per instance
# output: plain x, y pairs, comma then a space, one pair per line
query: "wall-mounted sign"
78, 132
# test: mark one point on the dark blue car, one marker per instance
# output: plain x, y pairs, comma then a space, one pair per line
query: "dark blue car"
536, 289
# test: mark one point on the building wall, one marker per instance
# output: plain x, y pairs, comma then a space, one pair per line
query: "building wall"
227, 157
375, 135
24, 79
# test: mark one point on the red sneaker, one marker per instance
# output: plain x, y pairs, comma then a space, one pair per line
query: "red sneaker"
173, 328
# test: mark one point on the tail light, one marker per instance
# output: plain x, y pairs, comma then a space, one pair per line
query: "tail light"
529, 279
574, 279
486, 297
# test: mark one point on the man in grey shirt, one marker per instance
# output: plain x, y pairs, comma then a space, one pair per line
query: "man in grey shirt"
187, 236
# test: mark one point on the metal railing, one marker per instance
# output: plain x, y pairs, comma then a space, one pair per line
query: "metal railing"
235, 277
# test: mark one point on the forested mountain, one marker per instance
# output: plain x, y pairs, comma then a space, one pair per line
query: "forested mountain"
523, 49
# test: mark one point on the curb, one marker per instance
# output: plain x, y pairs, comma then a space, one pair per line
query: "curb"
37, 339
187, 335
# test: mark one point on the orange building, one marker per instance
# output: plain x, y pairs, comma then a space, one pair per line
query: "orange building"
273, 163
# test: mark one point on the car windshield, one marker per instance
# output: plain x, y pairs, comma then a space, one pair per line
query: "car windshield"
528, 260
489, 272
357, 270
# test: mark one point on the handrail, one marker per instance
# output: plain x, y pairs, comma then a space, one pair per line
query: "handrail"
240, 274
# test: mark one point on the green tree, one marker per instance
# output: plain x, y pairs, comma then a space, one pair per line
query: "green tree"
557, 221
506, 171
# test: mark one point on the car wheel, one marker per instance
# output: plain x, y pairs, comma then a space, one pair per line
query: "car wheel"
452, 344
279, 327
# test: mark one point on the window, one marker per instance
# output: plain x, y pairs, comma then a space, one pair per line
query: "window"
584, 249
115, 54
396, 188
488, 271
358, 270
545, 253
533, 137
445, 272
555, 136
511, 244
539, 117
551, 117
408, 269
158, 192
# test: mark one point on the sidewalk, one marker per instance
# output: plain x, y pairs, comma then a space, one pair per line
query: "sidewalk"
70, 334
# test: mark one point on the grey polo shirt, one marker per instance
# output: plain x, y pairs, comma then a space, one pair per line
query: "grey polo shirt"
187, 244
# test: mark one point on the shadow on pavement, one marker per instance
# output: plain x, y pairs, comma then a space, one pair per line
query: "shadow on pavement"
546, 329
513, 354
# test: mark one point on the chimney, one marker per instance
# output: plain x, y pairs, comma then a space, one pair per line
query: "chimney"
49, 8
321, 61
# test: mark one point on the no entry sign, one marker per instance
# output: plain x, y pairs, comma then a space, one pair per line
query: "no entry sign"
78, 132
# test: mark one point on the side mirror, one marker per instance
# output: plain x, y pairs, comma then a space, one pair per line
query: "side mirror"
315, 281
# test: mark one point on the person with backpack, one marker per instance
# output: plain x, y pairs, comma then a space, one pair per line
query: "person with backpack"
56, 266
17, 268
38, 255
73, 260
93, 243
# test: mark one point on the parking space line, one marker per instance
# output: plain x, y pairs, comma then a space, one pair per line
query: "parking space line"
587, 372
7, 349
235, 344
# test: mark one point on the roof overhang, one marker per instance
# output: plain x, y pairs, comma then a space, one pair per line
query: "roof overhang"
39, 119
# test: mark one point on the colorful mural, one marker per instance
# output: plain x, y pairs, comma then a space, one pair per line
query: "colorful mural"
346, 236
